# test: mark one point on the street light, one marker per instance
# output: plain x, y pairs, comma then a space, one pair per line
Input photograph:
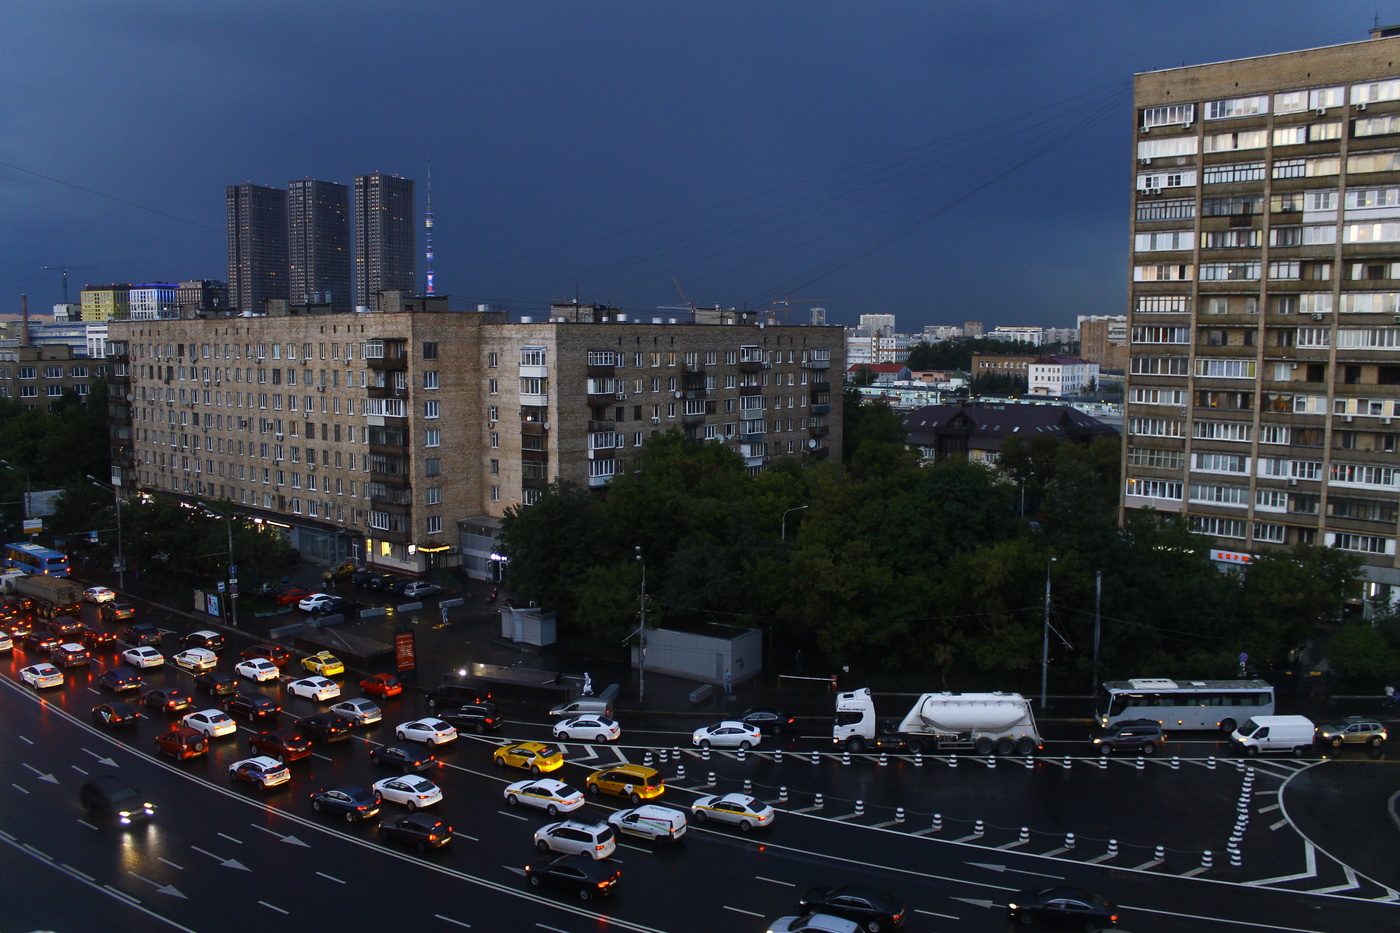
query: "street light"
642, 670
1045, 643
785, 515
1023, 492
121, 560
28, 494
232, 568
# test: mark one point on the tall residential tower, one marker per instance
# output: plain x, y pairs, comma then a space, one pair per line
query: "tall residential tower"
257, 246
318, 236
385, 238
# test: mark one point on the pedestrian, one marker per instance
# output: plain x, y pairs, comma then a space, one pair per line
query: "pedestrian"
728, 684
587, 685
798, 659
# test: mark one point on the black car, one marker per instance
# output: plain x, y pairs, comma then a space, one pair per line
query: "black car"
18, 625
384, 582
362, 577
255, 706
112, 797
204, 639
403, 757
457, 694
340, 605
114, 714
117, 679
354, 803
118, 610
325, 727
578, 873
216, 683
282, 744
873, 909
479, 717
768, 721
420, 830
41, 641
65, 625
1064, 907
1131, 735
95, 636
141, 635
167, 700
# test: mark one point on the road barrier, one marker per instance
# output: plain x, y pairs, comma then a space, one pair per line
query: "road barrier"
884, 759
778, 755
845, 758
451, 603
1176, 763
782, 792
704, 753
1210, 763
711, 782
1113, 848
860, 808
748, 787
741, 753
977, 829
938, 822
899, 814
1025, 835
918, 759
818, 803
646, 759
1069, 840
1207, 859
680, 772
1141, 763
952, 761
1160, 853
1236, 859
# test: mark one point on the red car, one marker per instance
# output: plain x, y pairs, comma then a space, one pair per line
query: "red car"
290, 596
282, 744
384, 685
274, 653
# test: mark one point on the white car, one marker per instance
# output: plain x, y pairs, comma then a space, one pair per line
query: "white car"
659, 824
262, 770
143, 657
41, 675
98, 594
574, 837
551, 796
314, 688
740, 809
727, 734
432, 731
211, 722
410, 790
314, 602
814, 923
258, 669
197, 660
597, 728
360, 711
6, 643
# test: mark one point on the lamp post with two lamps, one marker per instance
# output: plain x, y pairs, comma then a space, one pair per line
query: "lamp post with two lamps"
117, 496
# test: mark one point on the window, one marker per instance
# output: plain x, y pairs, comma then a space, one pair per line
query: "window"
1218, 527
493, 386
1233, 172
1227, 239
1163, 304
1221, 430
1156, 427
533, 385
1163, 240
434, 524
432, 437
430, 350
1387, 161
1290, 168
1323, 132
1161, 365
495, 493
430, 379
1370, 302
432, 409
1162, 273
1233, 206
1175, 209
1267, 531
1169, 459
1290, 102
1229, 271
1366, 544
433, 495
1181, 114
1171, 146
1291, 136
1215, 462
1154, 488
532, 356
1236, 107
1220, 495
1227, 142
495, 440
432, 466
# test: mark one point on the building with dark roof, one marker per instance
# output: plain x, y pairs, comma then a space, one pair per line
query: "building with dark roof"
977, 431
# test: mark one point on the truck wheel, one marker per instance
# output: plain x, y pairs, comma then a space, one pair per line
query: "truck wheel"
1025, 746
855, 745
1227, 726
983, 746
1005, 746
916, 747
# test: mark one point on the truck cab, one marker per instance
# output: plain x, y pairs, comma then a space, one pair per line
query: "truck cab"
856, 727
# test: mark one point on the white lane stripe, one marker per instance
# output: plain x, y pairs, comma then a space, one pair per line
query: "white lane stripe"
932, 914
83, 875
786, 884
330, 877
739, 911
172, 864
231, 839
450, 920
273, 907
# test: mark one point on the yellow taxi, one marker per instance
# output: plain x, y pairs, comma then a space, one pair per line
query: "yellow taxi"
535, 757
634, 782
324, 663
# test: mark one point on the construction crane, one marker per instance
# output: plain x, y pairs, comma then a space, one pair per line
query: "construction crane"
784, 304
65, 270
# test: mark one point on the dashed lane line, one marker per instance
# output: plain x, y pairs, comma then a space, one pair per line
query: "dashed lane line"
738, 910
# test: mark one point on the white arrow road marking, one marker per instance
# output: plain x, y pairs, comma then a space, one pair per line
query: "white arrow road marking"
102, 761
1001, 868
160, 888
975, 902
1350, 885
290, 840
41, 775
225, 862
20, 789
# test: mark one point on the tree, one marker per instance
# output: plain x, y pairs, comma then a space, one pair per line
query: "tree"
553, 543
1361, 656
874, 441
1285, 596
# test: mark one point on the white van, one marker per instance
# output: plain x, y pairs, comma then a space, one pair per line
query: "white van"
583, 706
1274, 734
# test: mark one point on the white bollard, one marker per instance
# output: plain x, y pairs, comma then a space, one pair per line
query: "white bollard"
1176, 763
1160, 853
778, 754
782, 793
816, 758
748, 787
1113, 848
1210, 763
938, 822
918, 759
1025, 835
711, 781
818, 802
899, 814
1069, 840
845, 758
884, 759
680, 772
1207, 860
977, 829
741, 753
860, 808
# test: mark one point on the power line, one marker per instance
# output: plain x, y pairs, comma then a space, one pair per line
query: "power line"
102, 194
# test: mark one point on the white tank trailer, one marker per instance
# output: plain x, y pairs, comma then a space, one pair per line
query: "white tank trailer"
985, 723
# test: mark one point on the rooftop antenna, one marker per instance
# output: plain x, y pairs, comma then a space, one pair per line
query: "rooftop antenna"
65, 270
428, 228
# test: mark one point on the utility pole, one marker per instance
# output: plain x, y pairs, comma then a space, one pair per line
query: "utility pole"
642, 669
1098, 601
1045, 643
121, 559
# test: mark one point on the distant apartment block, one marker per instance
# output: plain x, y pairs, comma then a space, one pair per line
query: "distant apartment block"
385, 238
318, 244
1061, 375
37, 377
257, 246
1103, 338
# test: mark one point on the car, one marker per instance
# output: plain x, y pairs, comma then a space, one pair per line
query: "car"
340, 571
359, 711
19, 626
167, 700
143, 657
428, 730
420, 589
118, 610
575, 837
70, 655
274, 653
323, 663
727, 734
325, 727
141, 635
340, 605
410, 790
211, 722
67, 626
361, 576
314, 688
553, 797
314, 602
597, 728
6, 642
457, 694
98, 594
180, 742
767, 720
404, 757
110, 796
282, 744
198, 660
741, 810
1143, 736
41, 641
117, 679
383, 582
204, 638
95, 636
650, 821
253, 705
263, 771
478, 717
290, 595
382, 685
41, 675
216, 683
258, 669
114, 713
1351, 731
635, 782
348, 800
535, 757
421, 830
873, 909
1063, 906
813, 923
585, 877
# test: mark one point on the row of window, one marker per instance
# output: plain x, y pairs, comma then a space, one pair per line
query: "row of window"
50, 391
50, 372
1315, 99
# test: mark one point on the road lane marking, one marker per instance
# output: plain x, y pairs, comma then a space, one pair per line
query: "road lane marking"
46, 857
129, 898
786, 884
514, 816
1279, 825
932, 914
450, 920
273, 907
85, 877
330, 877
1272, 806
739, 911
231, 839
626, 845
26, 740
1310, 860
20, 789
551, 929
172, 864
79, 770
85, 823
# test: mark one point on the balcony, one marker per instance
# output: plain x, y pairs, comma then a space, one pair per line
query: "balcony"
693, 419
818, 430
601, 372
601, 399
598, 425
817, 387
534, 428
750, 366
820, 409
750, 390
387, 355
816, 364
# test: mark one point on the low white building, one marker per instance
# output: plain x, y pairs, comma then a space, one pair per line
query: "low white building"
1060, 375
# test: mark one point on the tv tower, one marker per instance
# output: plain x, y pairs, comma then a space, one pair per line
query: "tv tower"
428, 229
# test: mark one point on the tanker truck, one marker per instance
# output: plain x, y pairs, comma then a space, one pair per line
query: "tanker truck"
53, 596
985, 723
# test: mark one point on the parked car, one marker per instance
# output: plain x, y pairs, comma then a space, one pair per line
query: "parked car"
382, 685
290, 596
340, 605
420, 589
340, 571
314, 602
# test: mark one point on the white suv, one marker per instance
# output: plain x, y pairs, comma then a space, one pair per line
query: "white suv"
572, 837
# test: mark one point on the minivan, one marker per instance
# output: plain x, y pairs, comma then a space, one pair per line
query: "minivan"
583, 706
1274, 734
457, 694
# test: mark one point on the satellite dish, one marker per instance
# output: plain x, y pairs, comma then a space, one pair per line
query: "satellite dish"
812, 443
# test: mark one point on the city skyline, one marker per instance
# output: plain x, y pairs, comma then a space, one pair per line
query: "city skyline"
823, 154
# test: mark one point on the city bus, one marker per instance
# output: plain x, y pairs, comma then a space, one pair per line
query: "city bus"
1185, 704
31, 558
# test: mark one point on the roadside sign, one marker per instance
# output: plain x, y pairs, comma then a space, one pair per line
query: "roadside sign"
404, 650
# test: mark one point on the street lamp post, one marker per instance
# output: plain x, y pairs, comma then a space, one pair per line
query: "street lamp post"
121, 559
232, 568
1023, 492
1045, 643
642, 670
28, 493
798, 508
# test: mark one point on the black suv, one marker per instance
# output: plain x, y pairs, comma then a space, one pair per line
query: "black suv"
457, 695
1139, 735
115, 798
141, 635
479, 717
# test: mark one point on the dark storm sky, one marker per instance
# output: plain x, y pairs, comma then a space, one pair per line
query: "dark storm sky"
939, 161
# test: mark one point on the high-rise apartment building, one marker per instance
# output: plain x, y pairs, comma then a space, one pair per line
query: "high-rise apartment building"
385, 238
257, 246
1263, 389
318, 243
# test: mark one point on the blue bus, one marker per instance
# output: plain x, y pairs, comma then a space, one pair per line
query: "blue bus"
31, 558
